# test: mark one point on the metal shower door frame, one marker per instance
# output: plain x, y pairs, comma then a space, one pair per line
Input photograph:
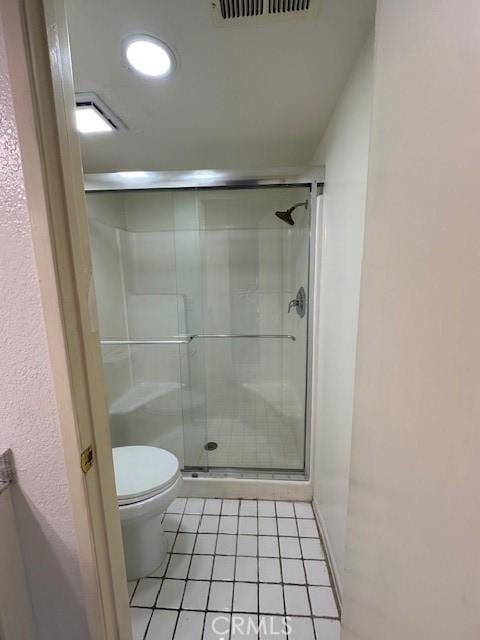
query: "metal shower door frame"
310, 177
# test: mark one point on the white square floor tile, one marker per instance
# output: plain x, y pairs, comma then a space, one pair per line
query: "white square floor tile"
244, 627
139, 619
247, 525
230, 507
271, 598
287, 527
296, 600
327, 629
224, 568
221, 594
272, 627
226, 544
290, 548
293, 571
248, 508
323, 602
171, 521
160, 571
269, 570
146, 592
266, 508
209, 524
162, 625
285, 509
184, 543
228, 524
217, 626
245, 597
307, 528
268, 546
178, 566
194, 505
311, 549
201, 567
196, 595
246, 569
267, 526
212, 506
303, 510
317, 572
190, 523
247, 545
171, 593
170, 538
205, 543
302, 629
177, 506
190, 625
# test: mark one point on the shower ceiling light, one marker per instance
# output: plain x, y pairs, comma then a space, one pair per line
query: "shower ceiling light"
149, 56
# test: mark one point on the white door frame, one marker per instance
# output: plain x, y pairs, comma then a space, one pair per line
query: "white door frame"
38, 54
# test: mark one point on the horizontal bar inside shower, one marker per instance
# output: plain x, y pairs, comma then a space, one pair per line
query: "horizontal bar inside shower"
187, 339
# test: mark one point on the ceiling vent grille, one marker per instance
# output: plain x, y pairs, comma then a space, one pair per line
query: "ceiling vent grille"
233, 12
240, 8
285, 6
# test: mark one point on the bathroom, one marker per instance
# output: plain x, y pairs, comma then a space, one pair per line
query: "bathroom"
207, 274
245, 407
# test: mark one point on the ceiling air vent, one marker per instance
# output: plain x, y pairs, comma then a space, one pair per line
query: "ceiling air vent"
236, 12
287, 6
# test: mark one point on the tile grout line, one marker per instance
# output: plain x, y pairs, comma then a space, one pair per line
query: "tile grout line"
234, 569
168, 558
213, 563
282, 583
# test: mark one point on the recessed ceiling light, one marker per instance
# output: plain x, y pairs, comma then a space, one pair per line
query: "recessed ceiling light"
93, 116
149, 56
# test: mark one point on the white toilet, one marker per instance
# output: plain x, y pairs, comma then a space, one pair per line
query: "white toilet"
148, 479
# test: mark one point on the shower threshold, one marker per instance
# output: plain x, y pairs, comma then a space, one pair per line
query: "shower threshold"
244, 473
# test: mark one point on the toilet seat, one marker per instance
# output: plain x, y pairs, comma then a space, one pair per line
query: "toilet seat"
143, 472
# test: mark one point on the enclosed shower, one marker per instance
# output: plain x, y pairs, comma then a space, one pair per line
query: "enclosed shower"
202, 297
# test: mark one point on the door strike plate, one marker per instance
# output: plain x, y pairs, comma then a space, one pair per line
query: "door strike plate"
86, 459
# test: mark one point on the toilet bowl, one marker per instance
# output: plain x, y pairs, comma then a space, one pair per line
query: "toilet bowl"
147, 479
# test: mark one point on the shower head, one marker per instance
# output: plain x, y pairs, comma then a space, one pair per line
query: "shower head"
286, 216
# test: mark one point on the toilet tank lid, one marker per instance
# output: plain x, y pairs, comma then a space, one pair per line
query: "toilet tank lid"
141, 471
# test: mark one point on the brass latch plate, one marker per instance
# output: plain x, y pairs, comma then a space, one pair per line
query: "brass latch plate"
86, 459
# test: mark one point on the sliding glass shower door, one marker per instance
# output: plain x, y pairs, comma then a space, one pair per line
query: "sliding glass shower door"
203, 323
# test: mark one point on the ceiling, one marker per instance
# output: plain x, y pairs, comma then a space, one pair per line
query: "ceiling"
248, 96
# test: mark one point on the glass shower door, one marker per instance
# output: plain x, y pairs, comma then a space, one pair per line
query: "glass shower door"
204, 352
147, 300
253, 350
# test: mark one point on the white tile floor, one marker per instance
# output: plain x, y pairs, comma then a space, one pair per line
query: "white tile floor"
234, 566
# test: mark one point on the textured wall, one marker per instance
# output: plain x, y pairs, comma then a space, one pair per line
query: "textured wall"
413, 562
344, 152
28, 418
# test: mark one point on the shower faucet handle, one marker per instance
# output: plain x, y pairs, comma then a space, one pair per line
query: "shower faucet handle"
293, 303
299, 303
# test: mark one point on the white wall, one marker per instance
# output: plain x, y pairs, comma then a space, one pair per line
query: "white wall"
413, 561
28, 411
344, 152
